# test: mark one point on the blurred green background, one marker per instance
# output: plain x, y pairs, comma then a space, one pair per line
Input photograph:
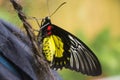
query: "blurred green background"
96, 22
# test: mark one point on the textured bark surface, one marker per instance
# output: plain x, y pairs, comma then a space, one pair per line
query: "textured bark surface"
42, 69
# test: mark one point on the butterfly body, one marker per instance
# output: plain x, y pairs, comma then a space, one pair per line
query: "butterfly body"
63, 49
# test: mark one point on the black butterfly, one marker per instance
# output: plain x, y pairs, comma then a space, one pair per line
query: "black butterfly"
63, 49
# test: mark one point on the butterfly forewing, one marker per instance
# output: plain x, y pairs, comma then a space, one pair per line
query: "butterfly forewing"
82, 59
69, 51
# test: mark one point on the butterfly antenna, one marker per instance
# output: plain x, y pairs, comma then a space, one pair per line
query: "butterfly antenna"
48, 7
58, 8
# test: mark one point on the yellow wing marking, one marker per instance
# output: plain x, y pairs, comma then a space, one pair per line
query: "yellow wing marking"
52, 46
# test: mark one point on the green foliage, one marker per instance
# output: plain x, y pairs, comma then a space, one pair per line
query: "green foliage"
101, 41
9, 16
107, 50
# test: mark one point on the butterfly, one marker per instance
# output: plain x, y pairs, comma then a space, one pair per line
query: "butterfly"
63, 49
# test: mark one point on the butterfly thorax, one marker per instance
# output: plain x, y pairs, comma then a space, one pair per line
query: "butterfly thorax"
52, 44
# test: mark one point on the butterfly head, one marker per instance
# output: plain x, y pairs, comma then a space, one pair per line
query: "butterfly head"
46, 21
